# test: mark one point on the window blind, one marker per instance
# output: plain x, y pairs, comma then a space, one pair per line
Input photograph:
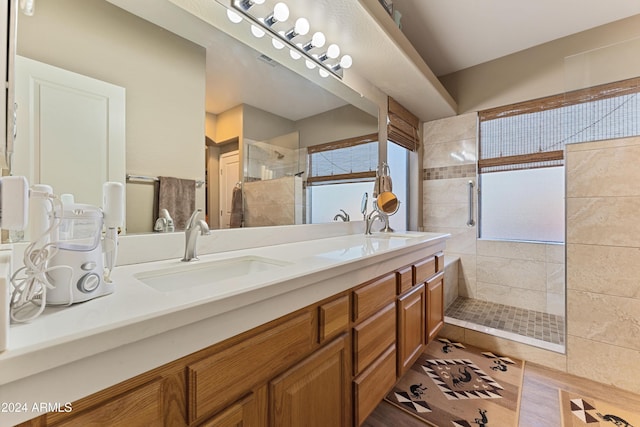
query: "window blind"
352, 159
533, 134
402, 126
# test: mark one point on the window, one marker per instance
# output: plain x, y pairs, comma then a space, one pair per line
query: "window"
521, 156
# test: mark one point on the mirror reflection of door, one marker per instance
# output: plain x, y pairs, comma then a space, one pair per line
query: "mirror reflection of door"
65, 116
229, 177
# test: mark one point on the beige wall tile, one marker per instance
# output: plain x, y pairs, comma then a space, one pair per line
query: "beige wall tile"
450, 153
509, 295
604, 318
445, 215
589, 172
450, 282
555, 253
512, 272
604, 363
467, 275
556, 304
450, 129
445, 191
462, 240
452, 332
555, 278
514, 349
604, 269
512, 250
603, 221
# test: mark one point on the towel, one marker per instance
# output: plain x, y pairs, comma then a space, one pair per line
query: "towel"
385, 183
236, 208
178, 196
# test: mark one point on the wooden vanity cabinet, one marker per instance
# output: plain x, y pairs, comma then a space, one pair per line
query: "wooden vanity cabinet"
315, 392
374, 344
328, 364
411, 327
435, 305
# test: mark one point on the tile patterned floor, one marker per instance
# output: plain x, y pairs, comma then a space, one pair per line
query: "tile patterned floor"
529, 323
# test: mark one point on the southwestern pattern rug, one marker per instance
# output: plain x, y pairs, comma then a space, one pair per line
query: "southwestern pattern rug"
580, 411
457, 385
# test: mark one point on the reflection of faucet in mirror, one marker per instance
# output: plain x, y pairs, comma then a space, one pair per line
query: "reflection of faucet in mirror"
164, 223
196, 225
368, 220
386, 205
343, 216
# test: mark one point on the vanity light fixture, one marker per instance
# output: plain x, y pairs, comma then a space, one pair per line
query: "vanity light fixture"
275, 19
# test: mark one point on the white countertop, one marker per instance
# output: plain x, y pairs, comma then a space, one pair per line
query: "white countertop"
70, 352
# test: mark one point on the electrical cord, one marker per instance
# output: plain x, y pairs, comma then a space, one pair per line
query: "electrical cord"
30, 282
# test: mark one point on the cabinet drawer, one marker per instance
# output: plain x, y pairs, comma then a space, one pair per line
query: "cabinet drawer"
371, 297
424, 269
333, 318
404, 278
219, 380
373, 385
373, 336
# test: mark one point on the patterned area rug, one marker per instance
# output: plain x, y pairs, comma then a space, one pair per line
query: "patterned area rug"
453, 384
579, 411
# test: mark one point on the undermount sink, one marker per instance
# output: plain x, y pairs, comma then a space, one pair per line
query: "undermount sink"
206, 273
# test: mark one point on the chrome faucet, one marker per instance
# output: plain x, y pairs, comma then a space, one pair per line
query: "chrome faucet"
343, 216
368, 220
196, 225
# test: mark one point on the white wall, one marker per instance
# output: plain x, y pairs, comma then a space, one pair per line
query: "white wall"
164, 77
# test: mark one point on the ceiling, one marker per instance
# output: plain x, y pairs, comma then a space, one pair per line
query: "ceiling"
452, 35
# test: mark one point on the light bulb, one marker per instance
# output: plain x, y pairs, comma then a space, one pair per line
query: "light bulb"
346, 61
333, 51
318, 39
233, 17
323, 73
281, 12
258, 1
310, 64
294, 55
256, 31
302, 27
277, 44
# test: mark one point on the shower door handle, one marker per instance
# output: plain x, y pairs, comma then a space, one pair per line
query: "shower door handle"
471, 222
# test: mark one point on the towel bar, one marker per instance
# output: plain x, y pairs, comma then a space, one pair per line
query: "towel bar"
146, 178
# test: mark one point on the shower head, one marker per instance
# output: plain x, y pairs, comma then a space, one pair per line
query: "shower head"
279, 154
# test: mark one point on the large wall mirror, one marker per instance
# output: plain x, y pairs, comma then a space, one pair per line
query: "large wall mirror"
109, 94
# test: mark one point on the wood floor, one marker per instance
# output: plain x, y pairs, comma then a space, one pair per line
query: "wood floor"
539, 407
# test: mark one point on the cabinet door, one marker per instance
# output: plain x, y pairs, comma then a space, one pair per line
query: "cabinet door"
142, 407
248, 412
435, 306
411, 327
315, 392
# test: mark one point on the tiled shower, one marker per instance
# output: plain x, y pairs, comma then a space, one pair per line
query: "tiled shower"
511, 289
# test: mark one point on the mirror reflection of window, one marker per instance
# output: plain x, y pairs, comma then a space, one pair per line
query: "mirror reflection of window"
327, 199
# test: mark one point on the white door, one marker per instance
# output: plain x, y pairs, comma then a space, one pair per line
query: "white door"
229, 177
71, 130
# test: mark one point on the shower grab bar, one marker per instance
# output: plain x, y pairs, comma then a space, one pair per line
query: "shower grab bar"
471, 222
